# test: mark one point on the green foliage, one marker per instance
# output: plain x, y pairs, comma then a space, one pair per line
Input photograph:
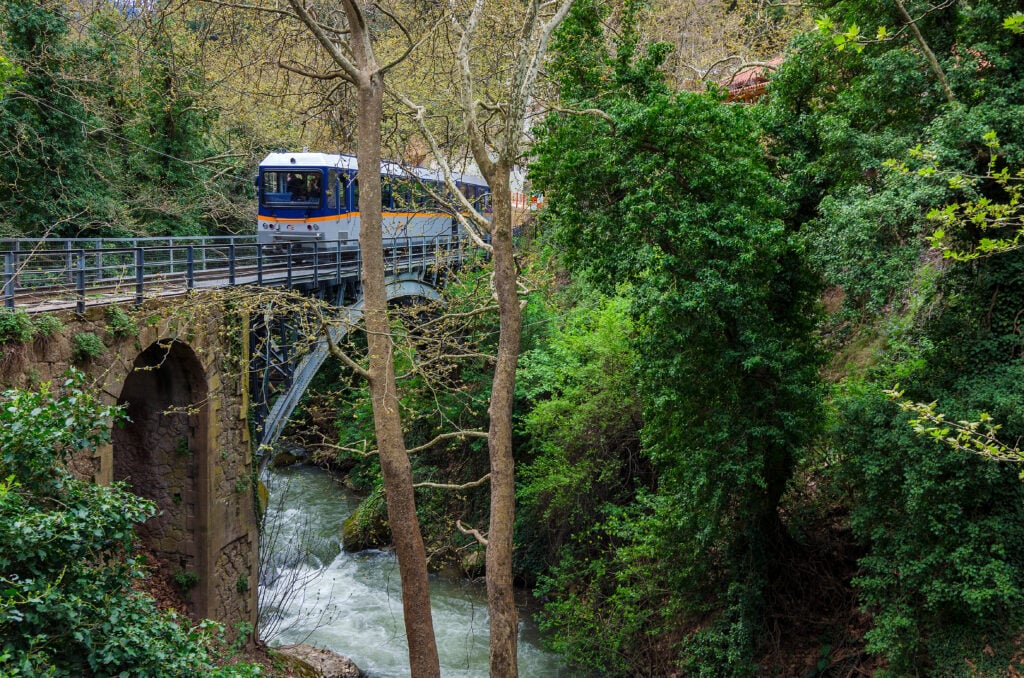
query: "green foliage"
119, 323
940, 529
976, 437
582, 426
40, 430
610, 592
186, 580
15, 326
108, 126
678, 201
67, 564
47, 325
943, 528
1014, 23
85, 346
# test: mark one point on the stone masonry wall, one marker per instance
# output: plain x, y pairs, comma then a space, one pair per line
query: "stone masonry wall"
187, 447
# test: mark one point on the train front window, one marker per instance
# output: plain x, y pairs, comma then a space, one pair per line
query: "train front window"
294, 188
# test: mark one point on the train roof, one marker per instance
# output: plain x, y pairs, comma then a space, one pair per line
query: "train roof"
348, 162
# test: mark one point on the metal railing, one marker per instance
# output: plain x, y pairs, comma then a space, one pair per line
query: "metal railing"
43, 274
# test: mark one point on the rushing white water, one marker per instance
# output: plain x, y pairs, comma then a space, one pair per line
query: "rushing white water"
351, 602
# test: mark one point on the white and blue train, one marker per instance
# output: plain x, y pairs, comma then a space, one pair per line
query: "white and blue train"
307, 198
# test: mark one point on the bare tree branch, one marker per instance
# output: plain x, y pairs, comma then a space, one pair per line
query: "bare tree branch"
933, 63
298, 69
473, 532
332, 47
464, 486
586, 111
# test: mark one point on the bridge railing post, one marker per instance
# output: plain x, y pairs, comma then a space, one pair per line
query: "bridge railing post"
259, 263
9, 279
288, 282
316, 263
80, 281
231, 263
99, 259
140, 277
337, 264
68, 264
190, 267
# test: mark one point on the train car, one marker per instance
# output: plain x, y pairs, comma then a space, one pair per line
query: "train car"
314, 197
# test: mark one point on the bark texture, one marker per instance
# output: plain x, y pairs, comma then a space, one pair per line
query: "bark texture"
394, 458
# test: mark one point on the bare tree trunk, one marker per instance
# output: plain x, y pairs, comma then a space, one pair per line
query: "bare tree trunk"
394, 458
500, 598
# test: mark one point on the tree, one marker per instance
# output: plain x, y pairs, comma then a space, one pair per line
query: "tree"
348, 39
497, 143
46, 173
677, 200
939, 529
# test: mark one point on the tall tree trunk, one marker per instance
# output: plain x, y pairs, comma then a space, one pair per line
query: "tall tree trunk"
394, 458
500, 596
929, 55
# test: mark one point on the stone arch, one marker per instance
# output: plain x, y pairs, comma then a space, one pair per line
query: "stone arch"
162, 453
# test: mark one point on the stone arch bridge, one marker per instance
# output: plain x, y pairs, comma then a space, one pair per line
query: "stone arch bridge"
200, 400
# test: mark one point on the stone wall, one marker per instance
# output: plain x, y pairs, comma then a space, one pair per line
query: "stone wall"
186, 447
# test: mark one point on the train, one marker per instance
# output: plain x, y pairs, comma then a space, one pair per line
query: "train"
307, 198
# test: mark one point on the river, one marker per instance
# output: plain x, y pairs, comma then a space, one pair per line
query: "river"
317, 593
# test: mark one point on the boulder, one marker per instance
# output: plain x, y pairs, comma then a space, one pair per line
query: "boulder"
325, 663
367, 527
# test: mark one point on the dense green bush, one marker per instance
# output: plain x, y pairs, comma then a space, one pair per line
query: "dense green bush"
722, 304
119, 323
68, 570
47, 325
580, 423
85, 346
15, 326
944, 530
941, 531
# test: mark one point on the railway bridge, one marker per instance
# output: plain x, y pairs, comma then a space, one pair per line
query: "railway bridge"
207, 384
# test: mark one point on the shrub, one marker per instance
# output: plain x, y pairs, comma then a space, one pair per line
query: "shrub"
15, 326
87, 346
186, 580
47, 325
943, 530
67, 563
119, 323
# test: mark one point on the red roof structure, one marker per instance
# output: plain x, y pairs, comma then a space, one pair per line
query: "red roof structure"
749, 84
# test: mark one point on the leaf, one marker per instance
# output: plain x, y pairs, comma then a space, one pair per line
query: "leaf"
1014, 22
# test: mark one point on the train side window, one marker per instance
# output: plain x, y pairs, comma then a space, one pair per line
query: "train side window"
332, 190
385, 192
432, 188
401, 195
355, 195
421, 197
